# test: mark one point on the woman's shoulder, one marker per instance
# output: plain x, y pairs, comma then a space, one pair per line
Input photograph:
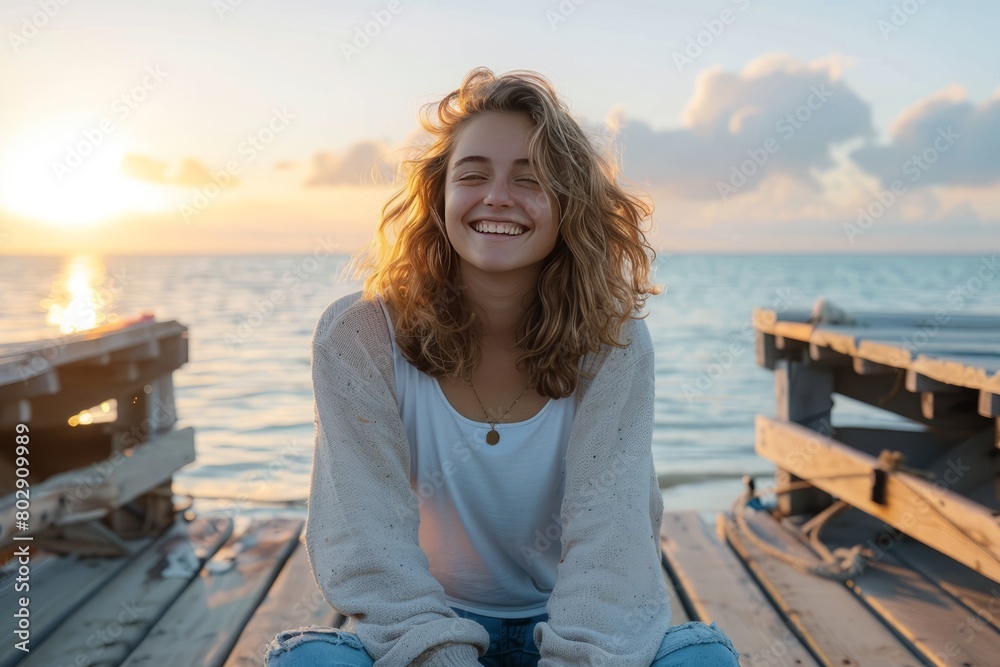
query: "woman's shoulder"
351, 318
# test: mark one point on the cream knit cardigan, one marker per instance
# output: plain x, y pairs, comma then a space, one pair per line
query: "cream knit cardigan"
609, 605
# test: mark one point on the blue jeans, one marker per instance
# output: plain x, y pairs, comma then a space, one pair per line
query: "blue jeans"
511, 645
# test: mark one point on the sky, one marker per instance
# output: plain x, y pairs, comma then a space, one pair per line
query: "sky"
259, 126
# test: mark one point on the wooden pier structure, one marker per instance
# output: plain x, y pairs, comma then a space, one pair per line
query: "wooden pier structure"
876, 548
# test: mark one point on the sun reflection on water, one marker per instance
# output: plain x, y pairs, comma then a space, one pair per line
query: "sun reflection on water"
79, 301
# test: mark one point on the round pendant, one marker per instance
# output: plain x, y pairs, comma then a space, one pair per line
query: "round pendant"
492, 437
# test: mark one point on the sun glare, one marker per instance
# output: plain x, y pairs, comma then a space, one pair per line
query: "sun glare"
80, 300
38, 184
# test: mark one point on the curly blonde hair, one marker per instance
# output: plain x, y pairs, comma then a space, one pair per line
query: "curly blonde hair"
593, 281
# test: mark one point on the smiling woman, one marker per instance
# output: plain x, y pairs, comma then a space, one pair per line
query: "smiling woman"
92, 191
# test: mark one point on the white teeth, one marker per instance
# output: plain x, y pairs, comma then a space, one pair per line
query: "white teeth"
489, 227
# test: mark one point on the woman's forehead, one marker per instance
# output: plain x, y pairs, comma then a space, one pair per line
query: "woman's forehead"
493, 137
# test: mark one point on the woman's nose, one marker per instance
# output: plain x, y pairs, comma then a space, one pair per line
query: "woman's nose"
498, 195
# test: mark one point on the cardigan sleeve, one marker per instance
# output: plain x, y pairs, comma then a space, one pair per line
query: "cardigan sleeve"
609, 605
363, 519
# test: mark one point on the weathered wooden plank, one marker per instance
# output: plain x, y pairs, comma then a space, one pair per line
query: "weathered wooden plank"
721, 591
58, 590
829, 618
973, 590
804, 395
901, 355
43, 355
78, 494
945, 631
949, 522
765, 319
202, 626
294, 601
974, 372
766, 349
865, 367
115, 618
903, 320
856, 341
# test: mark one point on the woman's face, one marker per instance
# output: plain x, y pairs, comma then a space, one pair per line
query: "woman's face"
497, 216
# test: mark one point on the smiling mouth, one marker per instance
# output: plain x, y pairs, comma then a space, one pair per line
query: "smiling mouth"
495, 228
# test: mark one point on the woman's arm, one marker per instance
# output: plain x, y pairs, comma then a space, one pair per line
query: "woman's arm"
361, 530
609, 605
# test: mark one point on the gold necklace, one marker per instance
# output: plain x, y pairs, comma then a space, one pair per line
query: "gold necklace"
493, 436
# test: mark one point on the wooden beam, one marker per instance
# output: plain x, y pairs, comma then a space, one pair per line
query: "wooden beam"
766, 349
965, 530
866, 367
989, 403
804, 396
40, 385
825, 357
81, 495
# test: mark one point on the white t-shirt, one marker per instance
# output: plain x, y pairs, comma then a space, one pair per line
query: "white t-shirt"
489, 514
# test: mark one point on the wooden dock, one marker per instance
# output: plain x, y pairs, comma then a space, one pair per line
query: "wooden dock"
876, 548
213, 591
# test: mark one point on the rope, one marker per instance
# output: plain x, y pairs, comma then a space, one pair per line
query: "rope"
840, 564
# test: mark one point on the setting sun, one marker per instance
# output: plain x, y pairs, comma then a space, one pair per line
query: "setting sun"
48, 178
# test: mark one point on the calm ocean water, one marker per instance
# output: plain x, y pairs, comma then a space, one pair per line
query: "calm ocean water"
250, 401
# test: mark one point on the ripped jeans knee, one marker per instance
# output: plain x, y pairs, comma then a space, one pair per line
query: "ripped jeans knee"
317, 646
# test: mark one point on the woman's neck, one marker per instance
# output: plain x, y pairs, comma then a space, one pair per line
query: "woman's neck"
501, 300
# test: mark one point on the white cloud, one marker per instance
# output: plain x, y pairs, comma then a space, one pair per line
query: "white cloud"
942, 139
777, 116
